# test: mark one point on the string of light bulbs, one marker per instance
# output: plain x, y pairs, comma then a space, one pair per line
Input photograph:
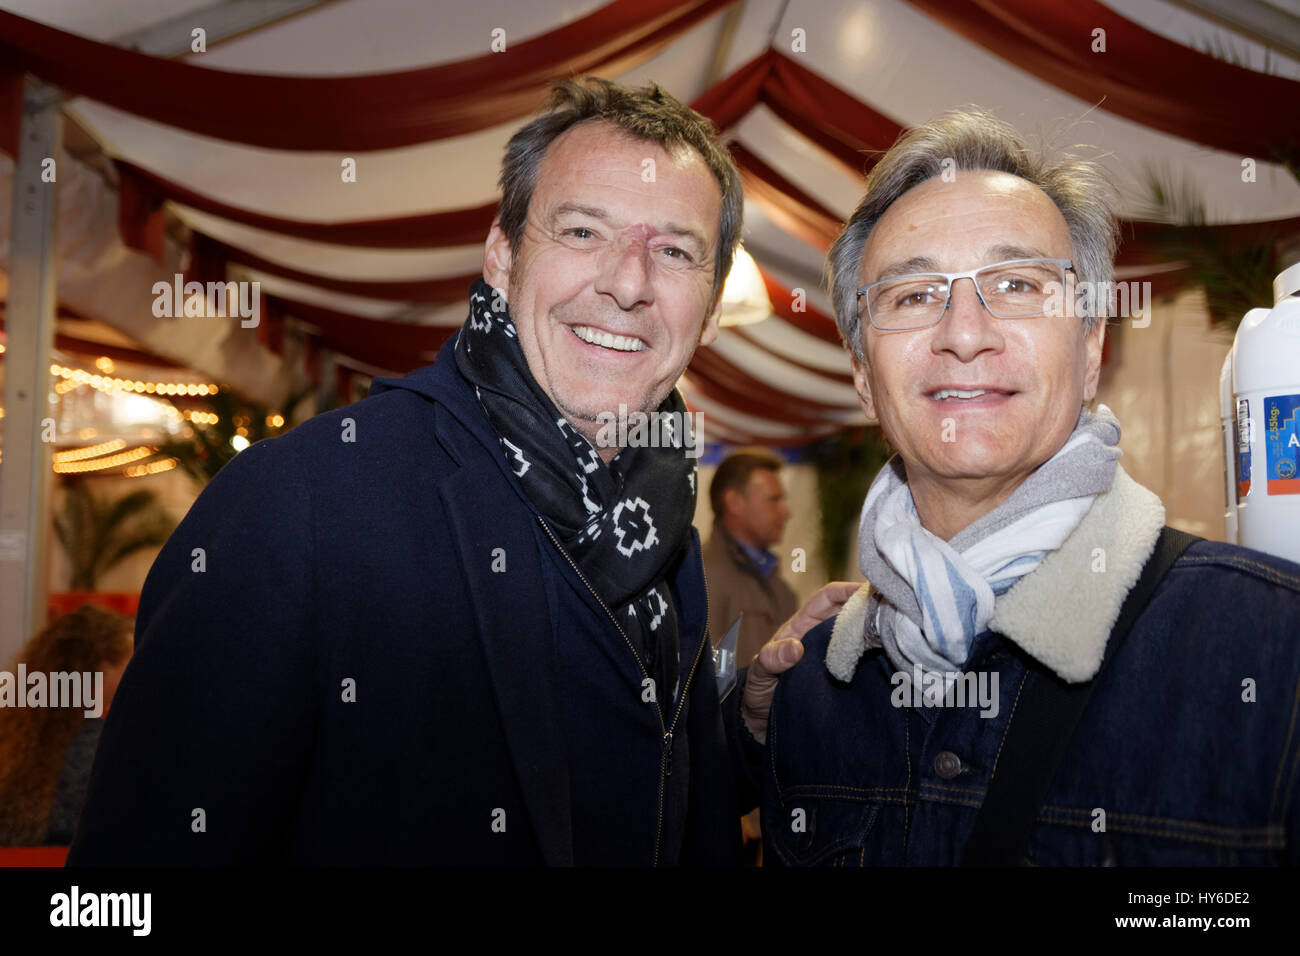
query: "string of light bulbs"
75, 377
89, 451
100, 464
151, 468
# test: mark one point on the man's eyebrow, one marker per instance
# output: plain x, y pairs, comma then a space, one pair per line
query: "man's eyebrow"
1005, 253
596, 212
673, 229
907, 267
1000, 253
567, 208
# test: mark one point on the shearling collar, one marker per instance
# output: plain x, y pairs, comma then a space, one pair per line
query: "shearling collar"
1061, 613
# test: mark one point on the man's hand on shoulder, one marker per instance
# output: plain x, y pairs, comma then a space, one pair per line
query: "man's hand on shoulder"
784, 650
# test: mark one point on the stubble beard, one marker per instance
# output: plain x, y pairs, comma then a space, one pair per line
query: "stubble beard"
584, 420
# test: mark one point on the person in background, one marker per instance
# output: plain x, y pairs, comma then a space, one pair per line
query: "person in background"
46, 752
750, 511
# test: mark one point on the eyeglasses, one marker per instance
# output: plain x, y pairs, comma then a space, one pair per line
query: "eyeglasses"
1016, 289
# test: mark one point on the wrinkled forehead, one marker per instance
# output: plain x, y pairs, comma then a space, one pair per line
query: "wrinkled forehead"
977, 217
600, 147
596, 168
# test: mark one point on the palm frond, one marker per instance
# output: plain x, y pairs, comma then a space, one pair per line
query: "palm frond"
96, 533
153, 532
1235, 270
73, 524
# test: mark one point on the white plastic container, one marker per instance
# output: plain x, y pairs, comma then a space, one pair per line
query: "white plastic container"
1228, 421
1261, 417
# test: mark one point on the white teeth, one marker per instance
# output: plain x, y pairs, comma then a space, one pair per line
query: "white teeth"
619, 343
958, 393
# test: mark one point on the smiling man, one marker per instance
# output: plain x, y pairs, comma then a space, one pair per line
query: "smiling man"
1039, 671
445, 625
618, 276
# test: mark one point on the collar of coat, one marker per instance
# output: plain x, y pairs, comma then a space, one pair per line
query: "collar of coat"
1082, 584
739, 552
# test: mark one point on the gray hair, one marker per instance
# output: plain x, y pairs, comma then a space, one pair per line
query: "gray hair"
646, 113
974, 139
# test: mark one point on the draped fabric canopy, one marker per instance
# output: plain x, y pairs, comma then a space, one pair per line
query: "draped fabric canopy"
238, 152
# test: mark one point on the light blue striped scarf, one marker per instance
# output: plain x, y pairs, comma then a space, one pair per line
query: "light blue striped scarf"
932, 597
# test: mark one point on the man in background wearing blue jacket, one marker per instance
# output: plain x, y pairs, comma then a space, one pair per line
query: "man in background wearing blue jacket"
447, 625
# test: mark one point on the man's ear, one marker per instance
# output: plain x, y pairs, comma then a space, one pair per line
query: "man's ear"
710, 331
732, 501
863, 387
497, 258
1092, 345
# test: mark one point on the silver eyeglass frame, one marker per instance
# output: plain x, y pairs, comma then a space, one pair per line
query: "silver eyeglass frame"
1067, 265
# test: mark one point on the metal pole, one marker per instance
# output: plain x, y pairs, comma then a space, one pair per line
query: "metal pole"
25, 463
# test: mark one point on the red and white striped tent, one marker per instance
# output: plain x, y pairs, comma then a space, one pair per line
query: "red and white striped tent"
227, 162
209, 138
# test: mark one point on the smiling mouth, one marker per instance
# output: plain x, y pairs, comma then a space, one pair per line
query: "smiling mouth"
968, 394
607, 340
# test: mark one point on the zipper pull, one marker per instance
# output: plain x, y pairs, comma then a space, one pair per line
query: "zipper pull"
668, 754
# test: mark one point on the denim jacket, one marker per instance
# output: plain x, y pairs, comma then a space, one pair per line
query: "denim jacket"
1186, 753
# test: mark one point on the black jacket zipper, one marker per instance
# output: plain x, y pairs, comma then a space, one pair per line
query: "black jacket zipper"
665, 762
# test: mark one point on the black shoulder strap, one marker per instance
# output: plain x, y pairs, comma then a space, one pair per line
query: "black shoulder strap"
1045, 719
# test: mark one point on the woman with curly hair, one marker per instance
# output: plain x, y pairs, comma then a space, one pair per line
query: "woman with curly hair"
46, 752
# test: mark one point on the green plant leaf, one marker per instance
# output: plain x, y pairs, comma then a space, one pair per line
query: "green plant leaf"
98, 533
846, 464
1236, 269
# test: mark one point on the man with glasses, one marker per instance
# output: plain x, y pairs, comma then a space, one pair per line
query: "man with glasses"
1039, 671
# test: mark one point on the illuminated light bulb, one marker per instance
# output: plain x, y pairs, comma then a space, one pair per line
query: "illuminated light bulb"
744, 296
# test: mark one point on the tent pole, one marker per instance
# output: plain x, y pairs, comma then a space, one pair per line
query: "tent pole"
25, 459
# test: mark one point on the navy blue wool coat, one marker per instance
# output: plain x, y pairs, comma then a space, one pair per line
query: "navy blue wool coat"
372, 651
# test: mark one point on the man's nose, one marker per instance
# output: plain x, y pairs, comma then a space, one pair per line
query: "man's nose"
966, 328
625, 273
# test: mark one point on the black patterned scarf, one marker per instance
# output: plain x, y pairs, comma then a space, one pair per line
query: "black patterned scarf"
623, 524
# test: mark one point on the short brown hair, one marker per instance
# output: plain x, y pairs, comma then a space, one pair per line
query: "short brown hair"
734, 472
645, 113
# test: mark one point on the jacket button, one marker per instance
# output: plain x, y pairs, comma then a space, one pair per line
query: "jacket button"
947, 764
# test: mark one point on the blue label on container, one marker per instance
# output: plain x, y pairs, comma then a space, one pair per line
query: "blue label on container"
1244, 436
1282, 443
